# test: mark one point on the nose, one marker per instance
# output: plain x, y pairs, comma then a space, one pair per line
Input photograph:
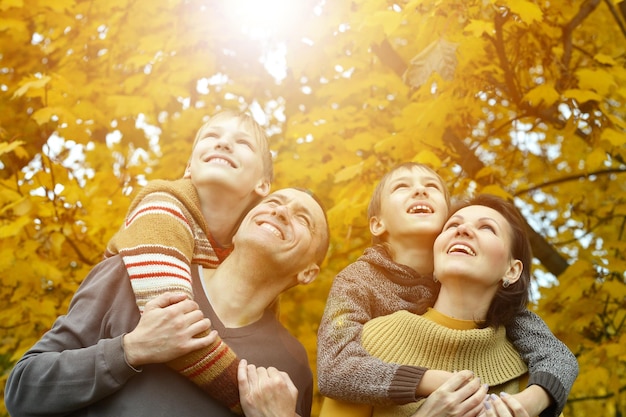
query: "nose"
224, 142
420, 190
281, 213
463, 229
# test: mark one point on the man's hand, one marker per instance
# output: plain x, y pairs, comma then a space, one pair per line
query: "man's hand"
266, 392
166, 331
461, 395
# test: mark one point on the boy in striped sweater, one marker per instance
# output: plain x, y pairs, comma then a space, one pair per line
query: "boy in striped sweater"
172, 224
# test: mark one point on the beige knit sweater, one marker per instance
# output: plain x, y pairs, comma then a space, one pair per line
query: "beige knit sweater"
440, 342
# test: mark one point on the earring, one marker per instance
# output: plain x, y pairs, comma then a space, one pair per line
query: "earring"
505, 283
435, 278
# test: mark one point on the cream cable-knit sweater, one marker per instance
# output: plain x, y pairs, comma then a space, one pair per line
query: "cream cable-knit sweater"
427, 340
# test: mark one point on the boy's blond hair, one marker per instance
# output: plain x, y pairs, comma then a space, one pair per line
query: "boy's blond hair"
374, 207
249, 125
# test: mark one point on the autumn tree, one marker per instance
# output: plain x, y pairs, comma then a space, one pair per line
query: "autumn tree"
524, 99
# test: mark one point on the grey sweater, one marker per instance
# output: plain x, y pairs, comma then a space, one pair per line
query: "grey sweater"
375, 286
78, 367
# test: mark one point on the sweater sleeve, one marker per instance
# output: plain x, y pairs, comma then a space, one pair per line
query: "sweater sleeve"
80, 360
156, 243
551, 364
345, 370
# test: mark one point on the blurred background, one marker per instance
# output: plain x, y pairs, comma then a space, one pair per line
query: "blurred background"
521, 98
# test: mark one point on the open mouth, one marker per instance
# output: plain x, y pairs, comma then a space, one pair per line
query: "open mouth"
460, 248
220, 161
272, 229
420, 208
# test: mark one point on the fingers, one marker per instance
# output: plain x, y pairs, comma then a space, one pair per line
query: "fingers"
165, 300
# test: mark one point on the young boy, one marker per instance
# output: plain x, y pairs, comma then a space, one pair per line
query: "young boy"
172, 224
407, 212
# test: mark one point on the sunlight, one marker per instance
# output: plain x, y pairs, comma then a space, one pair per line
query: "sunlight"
263, 20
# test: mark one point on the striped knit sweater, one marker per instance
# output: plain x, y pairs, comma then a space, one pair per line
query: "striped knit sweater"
163, 234
439, 342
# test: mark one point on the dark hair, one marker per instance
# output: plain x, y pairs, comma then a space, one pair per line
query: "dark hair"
511, 301
373, 209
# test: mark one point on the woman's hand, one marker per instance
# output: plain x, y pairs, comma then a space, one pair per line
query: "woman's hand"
460, 396
266, 392
503, 406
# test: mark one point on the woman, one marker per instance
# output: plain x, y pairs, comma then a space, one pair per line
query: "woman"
482, 260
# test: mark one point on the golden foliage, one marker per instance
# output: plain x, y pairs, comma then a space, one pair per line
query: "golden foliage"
515, 99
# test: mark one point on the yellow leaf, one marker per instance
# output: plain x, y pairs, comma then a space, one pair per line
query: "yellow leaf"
14, 228
496, 190
614, 137
583, 96
605, 59
6, 147
599, 80
349, 173
596, 159
527, 11
45, 114
389, 20
126, 105
428, 158
438, 57
30, 85
479, 27
544, 94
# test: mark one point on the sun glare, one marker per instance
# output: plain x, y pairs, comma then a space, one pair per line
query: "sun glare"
263, 19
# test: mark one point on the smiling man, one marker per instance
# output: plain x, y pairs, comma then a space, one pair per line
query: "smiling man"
104, 359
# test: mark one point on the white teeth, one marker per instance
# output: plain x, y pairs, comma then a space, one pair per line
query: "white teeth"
220, 161
420, 208
272, 229
462, 248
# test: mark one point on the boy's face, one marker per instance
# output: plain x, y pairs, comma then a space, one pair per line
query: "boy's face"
230, 157
413, 204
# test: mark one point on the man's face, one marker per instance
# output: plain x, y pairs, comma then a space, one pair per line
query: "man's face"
287, 226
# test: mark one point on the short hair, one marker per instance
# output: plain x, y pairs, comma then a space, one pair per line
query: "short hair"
249, 125
512, 300
322, 247
375, 204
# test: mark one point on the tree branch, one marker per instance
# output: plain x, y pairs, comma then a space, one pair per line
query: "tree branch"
585, 10
570, 178
616, 15
499, 43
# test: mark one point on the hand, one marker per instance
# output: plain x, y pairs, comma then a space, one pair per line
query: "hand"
461, 395
166, 331
266, 392
503, 406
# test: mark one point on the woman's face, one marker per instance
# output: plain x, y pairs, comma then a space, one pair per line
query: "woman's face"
475, 246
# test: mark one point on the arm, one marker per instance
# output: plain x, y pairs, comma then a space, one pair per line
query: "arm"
158, 259
345, 370
551, 364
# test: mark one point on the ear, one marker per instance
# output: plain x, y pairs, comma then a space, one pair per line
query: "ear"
308, 275
263, 187
377, 226
514, 272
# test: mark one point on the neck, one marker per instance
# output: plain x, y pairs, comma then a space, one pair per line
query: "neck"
238, 292
461, 300
418, 257
222, 213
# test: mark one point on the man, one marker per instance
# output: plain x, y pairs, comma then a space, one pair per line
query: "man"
103, 359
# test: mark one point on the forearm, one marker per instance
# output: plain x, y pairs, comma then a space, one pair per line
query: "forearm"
534, 399
51, 383
551, 364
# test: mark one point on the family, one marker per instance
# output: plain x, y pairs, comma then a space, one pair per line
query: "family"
180, 317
